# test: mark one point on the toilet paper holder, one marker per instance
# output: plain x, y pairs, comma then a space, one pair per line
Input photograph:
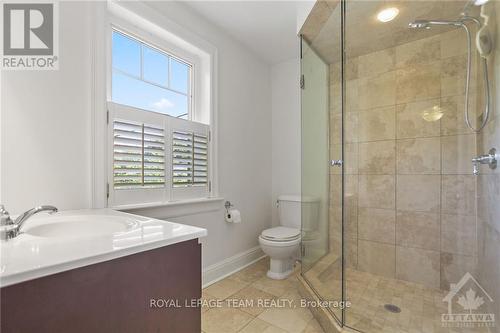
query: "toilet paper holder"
228, 205
232, 215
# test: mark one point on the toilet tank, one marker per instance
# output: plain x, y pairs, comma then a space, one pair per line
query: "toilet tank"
292, 208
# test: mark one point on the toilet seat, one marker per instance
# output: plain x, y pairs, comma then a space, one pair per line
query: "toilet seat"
281, 234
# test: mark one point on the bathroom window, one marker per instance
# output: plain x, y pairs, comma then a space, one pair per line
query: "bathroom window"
160, 140
148, 78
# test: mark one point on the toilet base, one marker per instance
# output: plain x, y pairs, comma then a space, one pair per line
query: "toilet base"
280, 269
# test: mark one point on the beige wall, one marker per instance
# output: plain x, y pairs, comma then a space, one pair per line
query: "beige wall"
410, 194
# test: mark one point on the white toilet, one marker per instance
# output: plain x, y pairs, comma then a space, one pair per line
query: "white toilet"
282, 243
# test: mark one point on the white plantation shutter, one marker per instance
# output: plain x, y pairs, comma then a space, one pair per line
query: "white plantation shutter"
189, 159
200, 157
156, 158
154, 155
138, 155
127, 154
190, 154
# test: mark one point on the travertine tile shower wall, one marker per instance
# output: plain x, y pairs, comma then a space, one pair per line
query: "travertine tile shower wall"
488, 186
409, 191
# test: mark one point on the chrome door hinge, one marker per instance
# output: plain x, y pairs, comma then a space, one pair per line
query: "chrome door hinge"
302, 82
209, 186
336, 162
107, 117
302, 250
107, 190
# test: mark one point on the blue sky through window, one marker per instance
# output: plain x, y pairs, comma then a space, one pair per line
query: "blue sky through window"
160, 83
155, 66
179, 74
126, 54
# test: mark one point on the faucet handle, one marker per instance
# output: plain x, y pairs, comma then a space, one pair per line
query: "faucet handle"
490, 159
5, 216
475, 168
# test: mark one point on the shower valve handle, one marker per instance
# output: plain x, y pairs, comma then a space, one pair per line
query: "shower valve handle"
490, 159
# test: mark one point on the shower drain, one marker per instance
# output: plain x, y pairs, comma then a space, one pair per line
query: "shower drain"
392, 308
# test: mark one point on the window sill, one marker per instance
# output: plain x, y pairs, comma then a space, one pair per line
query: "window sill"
165, 210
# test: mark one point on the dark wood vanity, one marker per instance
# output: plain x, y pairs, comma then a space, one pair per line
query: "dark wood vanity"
111, 296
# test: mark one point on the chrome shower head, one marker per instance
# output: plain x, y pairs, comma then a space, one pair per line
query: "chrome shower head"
419, 24
426, 24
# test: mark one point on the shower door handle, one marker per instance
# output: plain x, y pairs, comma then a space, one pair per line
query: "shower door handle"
336, 163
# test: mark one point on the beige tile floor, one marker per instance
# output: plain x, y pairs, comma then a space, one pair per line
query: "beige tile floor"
421, 307
250, 284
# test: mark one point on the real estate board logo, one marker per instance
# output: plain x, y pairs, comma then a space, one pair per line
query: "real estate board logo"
467, 302
30, 36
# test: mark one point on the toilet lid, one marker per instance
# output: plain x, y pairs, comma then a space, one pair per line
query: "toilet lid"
281, 233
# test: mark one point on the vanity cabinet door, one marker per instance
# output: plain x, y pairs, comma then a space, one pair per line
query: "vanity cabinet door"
111, 296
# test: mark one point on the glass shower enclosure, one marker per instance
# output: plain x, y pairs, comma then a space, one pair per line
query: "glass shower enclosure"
399, 127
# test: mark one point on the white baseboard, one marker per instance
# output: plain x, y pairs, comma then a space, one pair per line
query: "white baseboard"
226, 267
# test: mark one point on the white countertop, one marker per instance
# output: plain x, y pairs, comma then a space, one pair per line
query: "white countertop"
28, 256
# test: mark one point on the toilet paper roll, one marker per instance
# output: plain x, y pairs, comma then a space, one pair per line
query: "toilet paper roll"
233, 216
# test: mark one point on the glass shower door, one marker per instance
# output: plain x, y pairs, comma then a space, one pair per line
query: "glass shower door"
322, 183
407, 218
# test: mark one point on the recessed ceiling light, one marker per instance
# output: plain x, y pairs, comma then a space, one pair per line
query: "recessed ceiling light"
480, 2
387, 14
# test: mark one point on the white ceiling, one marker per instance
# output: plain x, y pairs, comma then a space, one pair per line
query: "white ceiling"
267, 28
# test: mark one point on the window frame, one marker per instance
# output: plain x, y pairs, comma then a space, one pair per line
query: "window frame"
190, 90
147, 24
198, 70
